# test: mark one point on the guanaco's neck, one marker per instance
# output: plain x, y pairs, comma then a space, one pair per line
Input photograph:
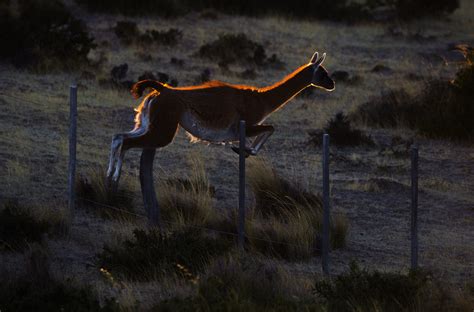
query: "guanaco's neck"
277, 95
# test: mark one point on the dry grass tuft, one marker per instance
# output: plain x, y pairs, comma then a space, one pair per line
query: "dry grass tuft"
94, 195
188, 201
286, 220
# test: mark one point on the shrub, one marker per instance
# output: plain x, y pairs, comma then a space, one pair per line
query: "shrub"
361, 290
410, 9
153, 253
128, 33
94, 195
240, 284
21, 226
444, 109
38, 291
341, 133
237, 48
43, 35
286, 219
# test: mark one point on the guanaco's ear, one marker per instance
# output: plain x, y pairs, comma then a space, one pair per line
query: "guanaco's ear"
314, 58
321, 60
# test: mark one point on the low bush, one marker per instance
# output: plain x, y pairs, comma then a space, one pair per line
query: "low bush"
444, 109
128, 33
361, 290
237, 49
43, 35
22, 225
152, 253
36, 290
94, 195
410, 9
341, 133
286, 219
240, 284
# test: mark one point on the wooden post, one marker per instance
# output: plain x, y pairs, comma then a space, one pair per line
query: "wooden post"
72, 149
242, 154
148, 188
414, 207
325, 229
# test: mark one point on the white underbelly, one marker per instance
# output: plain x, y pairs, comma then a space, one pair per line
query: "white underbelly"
197, 129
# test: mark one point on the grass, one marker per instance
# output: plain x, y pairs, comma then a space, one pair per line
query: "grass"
152, 254
286, 219
361, 290
93, 195
22, 225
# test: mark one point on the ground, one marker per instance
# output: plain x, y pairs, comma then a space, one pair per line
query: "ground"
369, 186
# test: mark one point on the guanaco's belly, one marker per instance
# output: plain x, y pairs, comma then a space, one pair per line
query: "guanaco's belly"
203, 131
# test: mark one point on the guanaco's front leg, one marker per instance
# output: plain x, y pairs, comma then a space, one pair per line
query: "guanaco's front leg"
262, 133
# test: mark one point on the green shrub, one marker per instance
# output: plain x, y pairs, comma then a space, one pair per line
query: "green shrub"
153, 253
361, 290
128, 33
43, 35
410, 9
241, 284
237, 49
36, 290
341, 132
21, 225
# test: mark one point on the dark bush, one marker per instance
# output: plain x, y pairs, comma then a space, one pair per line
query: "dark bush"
128, 33
153, 253
341, 133
18, 227
43, 35
237, 49
38, 291
444, 109
312, 9
410, 9
361, 290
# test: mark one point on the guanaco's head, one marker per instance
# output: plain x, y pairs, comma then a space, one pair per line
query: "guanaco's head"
321, 77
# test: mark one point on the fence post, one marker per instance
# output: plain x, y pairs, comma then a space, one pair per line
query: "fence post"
325, 229
72, 149
414, 207
242, 154
148, 188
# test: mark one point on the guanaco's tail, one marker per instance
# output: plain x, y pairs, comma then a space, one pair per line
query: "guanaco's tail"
139, 87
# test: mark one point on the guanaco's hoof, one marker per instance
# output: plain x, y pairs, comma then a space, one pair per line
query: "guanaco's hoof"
248, 151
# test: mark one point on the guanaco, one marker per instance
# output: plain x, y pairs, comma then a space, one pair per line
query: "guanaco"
211, 112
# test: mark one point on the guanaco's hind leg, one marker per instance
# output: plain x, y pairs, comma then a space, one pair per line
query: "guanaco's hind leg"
262, 133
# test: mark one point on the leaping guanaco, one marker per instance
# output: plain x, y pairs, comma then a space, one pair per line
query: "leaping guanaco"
211, 112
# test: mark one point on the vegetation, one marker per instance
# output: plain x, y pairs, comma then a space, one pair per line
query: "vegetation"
128, 33
361, 290
341, 133
21, 226
241, 284
94, 195
188, 201
341, 10
43, 35
237, 48
444, 109
286, 219
36, 290
153, 253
